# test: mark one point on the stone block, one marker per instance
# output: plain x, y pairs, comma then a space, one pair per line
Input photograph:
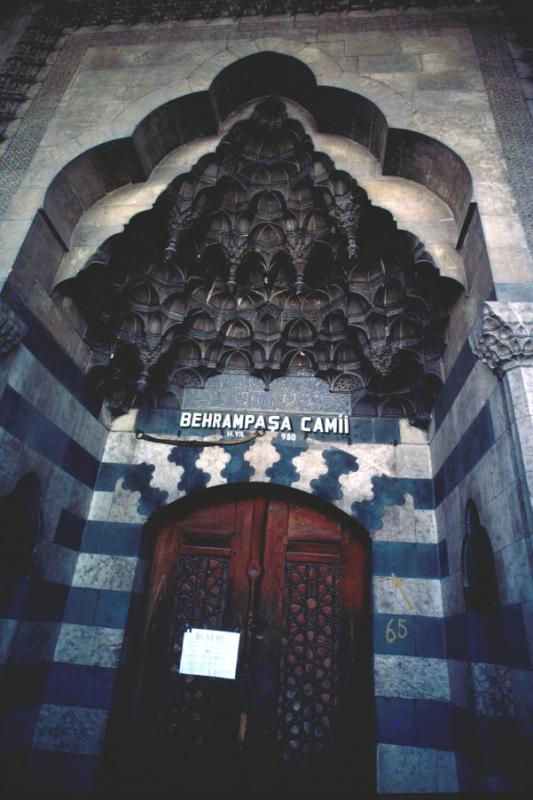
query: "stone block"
89, 645
504, 231
398, 523
8, 629
372, 43
411, 677
449, 60
456, 80
437, 41
523, 433
425, 598
413, 460
494, 196
461, 690
451, 101
409, 434
415, 769
522, 688
70, 729
98, 571
100, 505
425, 526
333, 49
393, 63
453, 600
527, 610
518, 384
55, 563
493, 695
454, 545
34, 642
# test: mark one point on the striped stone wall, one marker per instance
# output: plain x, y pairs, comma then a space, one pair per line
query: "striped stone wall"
477, 455
48, 425
382, 479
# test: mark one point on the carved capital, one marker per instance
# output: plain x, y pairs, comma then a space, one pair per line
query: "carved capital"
12, 330
503, 336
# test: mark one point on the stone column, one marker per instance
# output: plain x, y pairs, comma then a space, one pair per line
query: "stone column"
503, 339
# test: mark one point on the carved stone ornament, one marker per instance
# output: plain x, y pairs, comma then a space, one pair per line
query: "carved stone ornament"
12, 330
266, 260
503, 336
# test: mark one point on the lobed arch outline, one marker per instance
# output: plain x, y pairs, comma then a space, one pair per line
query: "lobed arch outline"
108, 166
242, 490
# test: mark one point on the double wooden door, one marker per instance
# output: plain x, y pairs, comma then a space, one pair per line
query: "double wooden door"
293, 582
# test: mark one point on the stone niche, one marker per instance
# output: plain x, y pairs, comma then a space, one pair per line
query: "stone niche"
266, 260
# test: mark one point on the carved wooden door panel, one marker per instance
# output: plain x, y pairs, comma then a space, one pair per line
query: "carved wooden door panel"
293, 582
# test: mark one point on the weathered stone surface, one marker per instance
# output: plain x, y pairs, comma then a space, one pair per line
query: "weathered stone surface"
69, 729
415, 769
424, 595
12, 330
411, 677
97, 571
492, 690
393, 63
92, 646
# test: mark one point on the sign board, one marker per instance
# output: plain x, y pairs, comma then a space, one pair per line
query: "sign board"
210, 653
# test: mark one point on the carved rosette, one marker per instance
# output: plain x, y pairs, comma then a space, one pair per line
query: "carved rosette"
12, 330
503, 336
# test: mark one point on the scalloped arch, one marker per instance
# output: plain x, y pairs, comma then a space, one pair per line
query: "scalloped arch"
108, 166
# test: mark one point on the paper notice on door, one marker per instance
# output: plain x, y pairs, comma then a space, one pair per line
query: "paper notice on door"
210, 653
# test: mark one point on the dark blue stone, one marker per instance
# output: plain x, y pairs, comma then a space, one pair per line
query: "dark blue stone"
81, 605
193, 478
78, 685
111, 609
339, 463
137, 478
112, 538
283, 472
396, 721
69, 531
45, 601
237, 470
435, 724
399, 646
463, 366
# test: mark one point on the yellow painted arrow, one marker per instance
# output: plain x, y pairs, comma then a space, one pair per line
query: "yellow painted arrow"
398, 584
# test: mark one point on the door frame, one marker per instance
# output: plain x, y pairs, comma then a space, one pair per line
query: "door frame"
121, 740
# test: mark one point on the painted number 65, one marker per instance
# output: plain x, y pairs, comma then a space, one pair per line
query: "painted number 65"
401, 630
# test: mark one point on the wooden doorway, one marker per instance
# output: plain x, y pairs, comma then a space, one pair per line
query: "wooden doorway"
293, 580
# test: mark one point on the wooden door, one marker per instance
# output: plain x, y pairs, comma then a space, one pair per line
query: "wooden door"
293, 582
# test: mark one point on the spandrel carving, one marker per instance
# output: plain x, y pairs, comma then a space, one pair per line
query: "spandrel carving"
266, 259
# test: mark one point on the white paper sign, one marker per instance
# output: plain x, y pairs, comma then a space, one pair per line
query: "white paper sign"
210, 653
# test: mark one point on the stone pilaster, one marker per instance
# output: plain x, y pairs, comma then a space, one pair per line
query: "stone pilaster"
502, 338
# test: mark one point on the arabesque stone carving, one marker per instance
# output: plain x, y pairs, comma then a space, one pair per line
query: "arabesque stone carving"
503, 336
267, 260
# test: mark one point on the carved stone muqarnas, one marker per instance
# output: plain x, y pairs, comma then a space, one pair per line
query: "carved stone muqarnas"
266, 259
503, 336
